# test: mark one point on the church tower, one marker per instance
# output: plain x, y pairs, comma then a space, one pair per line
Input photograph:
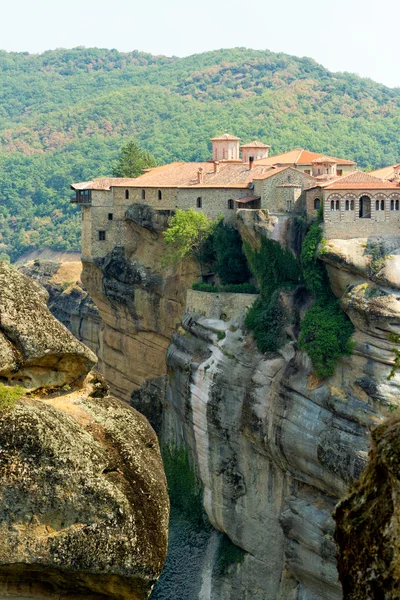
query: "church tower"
225, 147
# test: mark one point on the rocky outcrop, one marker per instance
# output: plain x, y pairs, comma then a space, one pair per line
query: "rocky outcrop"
83, 497
35, 349
367, 522
141, 300
274, 447
68, 301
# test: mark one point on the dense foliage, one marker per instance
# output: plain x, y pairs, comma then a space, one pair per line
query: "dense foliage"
274, 268
132, 161
65, 114
325, 330
186, 234
230, 262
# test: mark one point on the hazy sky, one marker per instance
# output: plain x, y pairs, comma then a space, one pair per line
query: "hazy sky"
359, 36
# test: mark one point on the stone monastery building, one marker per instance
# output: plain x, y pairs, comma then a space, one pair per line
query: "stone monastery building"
355, 204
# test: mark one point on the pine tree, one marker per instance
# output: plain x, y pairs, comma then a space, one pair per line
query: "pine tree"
132, 161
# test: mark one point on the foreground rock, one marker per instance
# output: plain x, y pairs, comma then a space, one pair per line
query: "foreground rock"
84, 507
68, 301
35, 349
367, 523
83, 498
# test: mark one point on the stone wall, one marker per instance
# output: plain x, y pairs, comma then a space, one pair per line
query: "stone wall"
346, 224
214, 201
218, 306
275, 198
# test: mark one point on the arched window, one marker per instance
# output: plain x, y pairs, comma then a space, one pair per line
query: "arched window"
198, 202
392, 205
352, 205
377, 205
159, 194
365, 207
143, 194
382, 205
230, 204
347, 205
126, 194
397, 205
337, 204
332, 205
289, 179
317, 203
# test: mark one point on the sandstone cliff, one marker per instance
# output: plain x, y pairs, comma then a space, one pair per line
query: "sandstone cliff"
83, 499
274, 447
140, 301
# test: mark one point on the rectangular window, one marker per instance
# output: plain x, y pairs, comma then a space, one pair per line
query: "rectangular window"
307, 172
339, 171
102, 236
110, 216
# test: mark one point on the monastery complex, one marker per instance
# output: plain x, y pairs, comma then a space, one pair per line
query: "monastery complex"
355, 203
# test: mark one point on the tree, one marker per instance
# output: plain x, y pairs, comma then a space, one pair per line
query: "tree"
187, 232
132, 161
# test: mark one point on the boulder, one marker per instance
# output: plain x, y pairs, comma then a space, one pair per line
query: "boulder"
83, 498
36, 350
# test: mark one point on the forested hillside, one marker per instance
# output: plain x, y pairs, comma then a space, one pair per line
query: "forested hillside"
64, 115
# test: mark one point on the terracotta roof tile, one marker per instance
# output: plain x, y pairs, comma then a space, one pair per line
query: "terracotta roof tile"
255, 144
298, 157
385, 172
324, 159
358, 180
225, 136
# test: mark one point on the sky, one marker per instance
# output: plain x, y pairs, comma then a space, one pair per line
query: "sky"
359, 36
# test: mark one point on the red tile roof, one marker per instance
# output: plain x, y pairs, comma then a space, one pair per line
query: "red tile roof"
324, 160
299, 157
255, 144
358, 180
225, 136
385, 172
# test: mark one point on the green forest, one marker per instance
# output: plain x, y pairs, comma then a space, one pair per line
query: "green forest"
65, 114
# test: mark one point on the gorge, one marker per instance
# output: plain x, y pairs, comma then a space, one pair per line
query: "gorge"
264, 446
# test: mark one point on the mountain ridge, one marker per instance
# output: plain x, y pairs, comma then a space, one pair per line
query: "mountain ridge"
65, 113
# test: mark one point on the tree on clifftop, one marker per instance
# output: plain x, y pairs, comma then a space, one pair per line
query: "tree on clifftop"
132, 161
186, 235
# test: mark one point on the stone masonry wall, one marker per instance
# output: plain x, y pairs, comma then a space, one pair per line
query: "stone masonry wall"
219, 306
274, 198
346, 224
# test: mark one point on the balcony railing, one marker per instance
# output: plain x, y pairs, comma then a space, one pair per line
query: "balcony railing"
80, 200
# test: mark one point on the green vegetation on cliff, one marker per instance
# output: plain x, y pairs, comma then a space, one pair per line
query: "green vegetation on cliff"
274, 268
326, 330
65, 114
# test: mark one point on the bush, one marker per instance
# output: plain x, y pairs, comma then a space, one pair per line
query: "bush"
266, 319
228, 554
239, 288
325, 332
230, 261
9, 395
184, 487
272, 266
326, 336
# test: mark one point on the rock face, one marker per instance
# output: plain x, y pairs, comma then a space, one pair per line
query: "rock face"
274, 447
68, 301
141, 302
367, 522
83, 498
35, 349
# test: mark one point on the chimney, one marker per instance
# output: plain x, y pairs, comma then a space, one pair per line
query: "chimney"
251, 161
216, 166
200, 175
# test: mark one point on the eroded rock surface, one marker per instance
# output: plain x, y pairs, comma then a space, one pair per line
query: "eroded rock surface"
84, 506
141, 301
367, 522
35, 349
83, 498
